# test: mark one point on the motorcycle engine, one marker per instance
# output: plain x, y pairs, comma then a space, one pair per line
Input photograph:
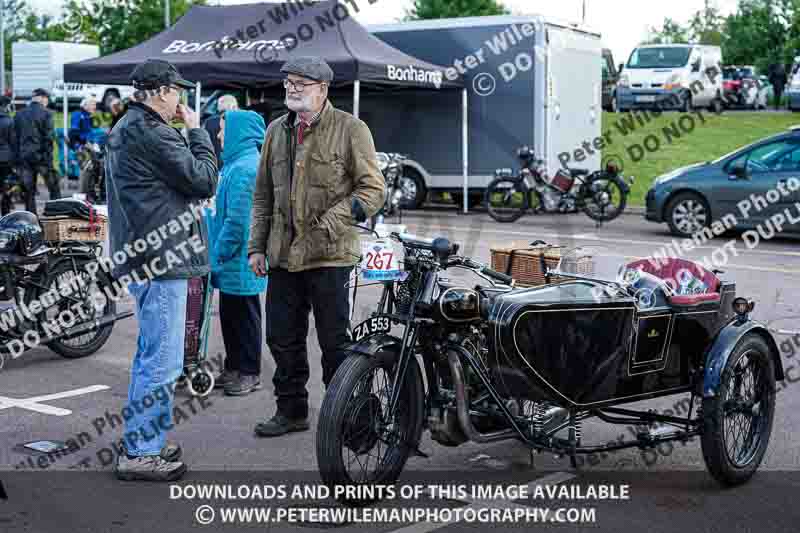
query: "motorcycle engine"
443, 419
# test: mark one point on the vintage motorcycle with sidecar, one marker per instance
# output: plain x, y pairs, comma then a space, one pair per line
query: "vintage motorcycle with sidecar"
49, 296
533, 364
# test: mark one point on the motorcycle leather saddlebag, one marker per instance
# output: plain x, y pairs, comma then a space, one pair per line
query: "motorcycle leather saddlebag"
562, 180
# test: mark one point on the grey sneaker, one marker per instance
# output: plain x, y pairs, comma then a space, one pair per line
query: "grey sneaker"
148, 468
224, 378
244, 384
171, 451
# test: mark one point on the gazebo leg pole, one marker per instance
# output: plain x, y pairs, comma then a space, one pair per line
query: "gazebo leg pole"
465, 146
356, 97
197, 100
64, 152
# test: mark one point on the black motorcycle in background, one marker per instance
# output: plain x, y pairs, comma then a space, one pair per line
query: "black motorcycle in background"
93, 176
52, 293
601, 195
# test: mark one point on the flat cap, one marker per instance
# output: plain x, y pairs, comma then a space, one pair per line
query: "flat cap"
41, 92
314, 68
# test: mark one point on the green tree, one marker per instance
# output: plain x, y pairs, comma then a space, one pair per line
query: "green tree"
13, 13
761, 33
671, 32
438, 9
706, 25
119, 24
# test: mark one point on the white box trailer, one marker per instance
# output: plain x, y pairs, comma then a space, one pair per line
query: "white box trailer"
40, 64
530, 81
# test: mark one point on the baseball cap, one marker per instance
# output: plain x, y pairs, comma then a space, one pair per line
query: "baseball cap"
314, 68
155, 73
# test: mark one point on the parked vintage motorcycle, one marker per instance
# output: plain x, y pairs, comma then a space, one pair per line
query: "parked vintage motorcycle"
532, 364
602, 195
49, 295
93, 176
391, 166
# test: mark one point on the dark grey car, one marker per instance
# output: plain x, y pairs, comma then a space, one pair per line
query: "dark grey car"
754, 185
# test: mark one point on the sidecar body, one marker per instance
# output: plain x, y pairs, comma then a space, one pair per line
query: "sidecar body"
582, 344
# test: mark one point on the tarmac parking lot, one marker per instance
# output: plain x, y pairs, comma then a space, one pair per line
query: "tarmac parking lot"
46, 397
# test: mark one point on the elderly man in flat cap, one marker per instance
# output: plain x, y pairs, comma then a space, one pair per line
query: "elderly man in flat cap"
317, 177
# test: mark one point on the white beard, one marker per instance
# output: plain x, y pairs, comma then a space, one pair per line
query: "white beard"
299, 106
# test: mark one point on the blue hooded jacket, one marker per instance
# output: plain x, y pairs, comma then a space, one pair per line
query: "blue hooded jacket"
229, 228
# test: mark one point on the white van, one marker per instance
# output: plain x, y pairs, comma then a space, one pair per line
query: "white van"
671, 76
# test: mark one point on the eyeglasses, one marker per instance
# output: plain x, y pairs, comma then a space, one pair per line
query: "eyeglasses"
297, 86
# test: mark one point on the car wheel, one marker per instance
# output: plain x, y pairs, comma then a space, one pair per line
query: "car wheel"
737, 420
614, 108
414, 190
687, 214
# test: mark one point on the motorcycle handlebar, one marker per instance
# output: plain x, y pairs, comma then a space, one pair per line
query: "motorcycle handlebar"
499, 276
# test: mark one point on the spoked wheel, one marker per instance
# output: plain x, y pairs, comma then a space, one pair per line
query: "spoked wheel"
606, 199
506, 199
80, 299
357, 443
737, 422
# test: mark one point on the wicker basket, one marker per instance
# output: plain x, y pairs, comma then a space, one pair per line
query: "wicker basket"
528, 263
74, 229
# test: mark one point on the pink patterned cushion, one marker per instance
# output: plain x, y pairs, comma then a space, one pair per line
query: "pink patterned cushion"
673, 269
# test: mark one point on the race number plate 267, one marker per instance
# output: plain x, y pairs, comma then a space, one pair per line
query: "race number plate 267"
380, 261
372, 326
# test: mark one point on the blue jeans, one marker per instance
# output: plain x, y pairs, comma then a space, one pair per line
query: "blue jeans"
161, 312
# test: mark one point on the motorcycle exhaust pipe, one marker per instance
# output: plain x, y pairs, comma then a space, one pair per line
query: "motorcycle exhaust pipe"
89, 326
462, 406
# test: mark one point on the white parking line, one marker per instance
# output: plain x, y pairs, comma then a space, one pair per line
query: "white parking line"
425, 527
34, 404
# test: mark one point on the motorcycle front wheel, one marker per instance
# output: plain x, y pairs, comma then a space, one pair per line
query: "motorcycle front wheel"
507, 199
357, 444
605, 198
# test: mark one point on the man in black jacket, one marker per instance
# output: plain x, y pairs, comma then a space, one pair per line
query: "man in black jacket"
8, 152
34, 130
155, 182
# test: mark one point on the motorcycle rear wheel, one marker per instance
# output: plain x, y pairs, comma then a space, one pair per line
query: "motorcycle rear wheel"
611, 193
507, 199
352, 424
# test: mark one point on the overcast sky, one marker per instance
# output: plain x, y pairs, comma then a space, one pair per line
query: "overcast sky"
622, 23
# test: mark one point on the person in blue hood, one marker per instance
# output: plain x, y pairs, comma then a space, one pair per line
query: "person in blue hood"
241, 135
